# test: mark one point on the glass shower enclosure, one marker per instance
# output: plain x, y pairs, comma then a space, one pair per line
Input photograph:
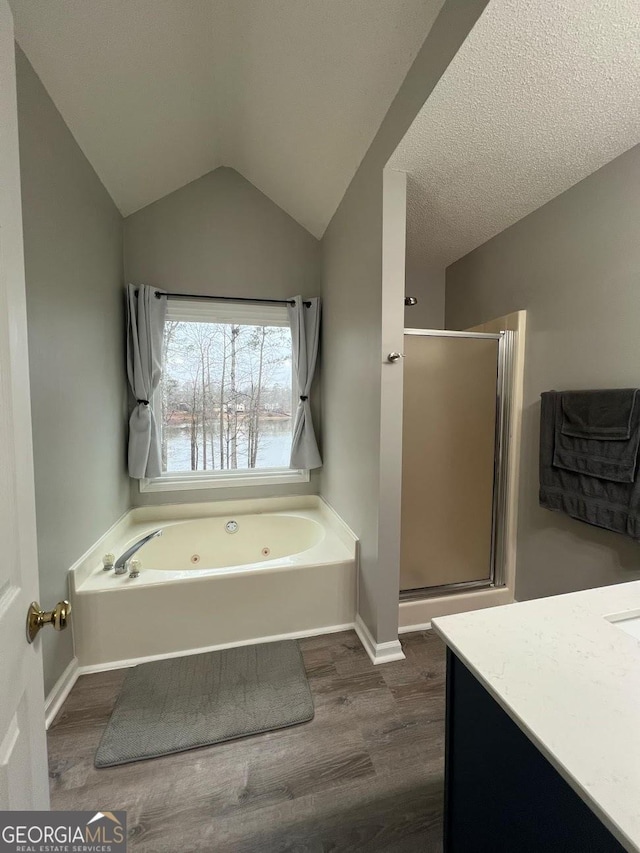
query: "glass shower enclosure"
454, 460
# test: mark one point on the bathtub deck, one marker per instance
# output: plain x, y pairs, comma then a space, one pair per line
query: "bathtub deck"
366, 774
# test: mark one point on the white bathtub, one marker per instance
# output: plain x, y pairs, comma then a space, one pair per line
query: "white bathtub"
289, 569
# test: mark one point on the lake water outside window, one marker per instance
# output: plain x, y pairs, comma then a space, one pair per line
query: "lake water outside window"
226, 396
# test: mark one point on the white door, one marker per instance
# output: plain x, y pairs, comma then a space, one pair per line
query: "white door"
23, 755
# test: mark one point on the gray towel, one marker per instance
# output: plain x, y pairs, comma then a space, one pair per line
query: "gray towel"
598, 433
598, 414
603, 503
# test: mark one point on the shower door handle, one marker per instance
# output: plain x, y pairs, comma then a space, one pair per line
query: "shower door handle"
395, 356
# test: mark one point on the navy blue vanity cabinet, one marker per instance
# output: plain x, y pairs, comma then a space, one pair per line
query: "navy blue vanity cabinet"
501, 794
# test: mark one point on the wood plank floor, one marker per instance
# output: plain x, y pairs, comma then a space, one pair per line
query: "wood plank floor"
366, 774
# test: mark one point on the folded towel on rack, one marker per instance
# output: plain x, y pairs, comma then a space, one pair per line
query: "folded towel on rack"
598, 433
611, 504
598, 414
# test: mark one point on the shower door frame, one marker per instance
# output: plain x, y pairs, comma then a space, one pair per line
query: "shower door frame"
504, 393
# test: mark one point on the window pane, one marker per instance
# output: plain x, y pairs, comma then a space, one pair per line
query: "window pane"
226, 396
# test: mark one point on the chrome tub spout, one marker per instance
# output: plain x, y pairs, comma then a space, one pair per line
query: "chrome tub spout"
120, 564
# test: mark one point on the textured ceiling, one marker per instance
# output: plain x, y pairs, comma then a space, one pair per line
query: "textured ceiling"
288, 92
541, 94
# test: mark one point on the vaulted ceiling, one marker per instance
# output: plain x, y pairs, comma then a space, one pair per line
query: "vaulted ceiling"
290, 93
541, 94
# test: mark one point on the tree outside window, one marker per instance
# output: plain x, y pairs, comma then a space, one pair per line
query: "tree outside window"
226, 396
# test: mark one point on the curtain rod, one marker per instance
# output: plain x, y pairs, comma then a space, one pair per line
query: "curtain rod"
228, 298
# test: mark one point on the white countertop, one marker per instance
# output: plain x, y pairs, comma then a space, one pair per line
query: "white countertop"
571, 680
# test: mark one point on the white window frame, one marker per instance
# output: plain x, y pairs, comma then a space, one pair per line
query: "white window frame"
247, 314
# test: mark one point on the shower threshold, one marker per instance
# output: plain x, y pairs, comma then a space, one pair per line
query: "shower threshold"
445, 589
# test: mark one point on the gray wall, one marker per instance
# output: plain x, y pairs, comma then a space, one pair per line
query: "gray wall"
574, 264
352, 357
73, 262
428, 285
220, 235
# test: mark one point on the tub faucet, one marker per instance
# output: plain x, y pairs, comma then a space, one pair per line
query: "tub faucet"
120, 564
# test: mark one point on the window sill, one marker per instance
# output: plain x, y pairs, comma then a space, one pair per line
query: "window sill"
223, 480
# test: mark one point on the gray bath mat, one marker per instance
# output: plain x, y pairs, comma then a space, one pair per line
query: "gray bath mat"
181, 703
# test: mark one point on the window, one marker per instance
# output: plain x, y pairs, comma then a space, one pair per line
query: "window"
226, 403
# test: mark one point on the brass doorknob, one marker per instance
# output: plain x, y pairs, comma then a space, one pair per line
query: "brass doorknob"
37, 618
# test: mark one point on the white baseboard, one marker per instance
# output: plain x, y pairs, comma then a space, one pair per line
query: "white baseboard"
408, 629
294, 635
60, 691
378, 652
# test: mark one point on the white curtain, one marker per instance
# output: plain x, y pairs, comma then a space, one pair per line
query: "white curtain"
145, 332
305, 337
